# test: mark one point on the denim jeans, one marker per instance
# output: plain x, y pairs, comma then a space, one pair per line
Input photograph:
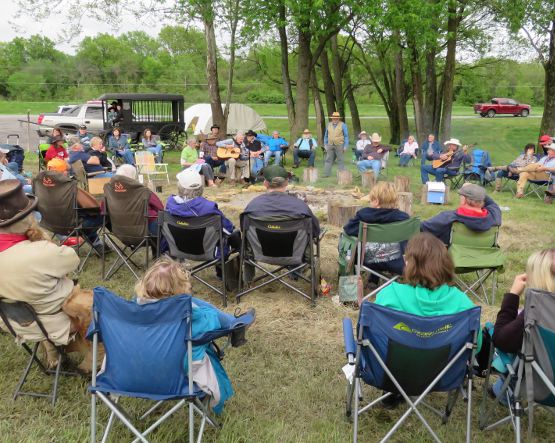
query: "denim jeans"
375, 165
268, 154
438, 173
256, 165
304, 154
127, 156
157, 151
404, 159
90, 222
215, 164
358, 155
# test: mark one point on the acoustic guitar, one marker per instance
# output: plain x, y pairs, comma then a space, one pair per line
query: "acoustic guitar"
439, 163
225, 153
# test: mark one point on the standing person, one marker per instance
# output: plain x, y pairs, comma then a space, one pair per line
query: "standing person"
275, 145
451, 159
255, 151
56, 149
305, 147
209, 150
430, 148
237, 169
152, 144
118, 143
84, 137
191, 158
336, 142
361, 144
372, 155
410, 149
540, 171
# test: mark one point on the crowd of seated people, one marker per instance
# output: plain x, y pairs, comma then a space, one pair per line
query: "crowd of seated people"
10, 171
192, 157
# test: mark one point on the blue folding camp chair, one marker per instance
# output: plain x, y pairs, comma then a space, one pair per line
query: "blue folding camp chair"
476, 171
411, 355
147, 347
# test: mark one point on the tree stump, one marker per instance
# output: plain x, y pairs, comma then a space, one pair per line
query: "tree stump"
368, 180
344, 177
405, 202
310, 175
339, 213
402, 183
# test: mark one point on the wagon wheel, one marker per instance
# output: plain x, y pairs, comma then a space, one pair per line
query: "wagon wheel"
173, 135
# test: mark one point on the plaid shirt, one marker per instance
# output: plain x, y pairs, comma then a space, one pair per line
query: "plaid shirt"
209, 150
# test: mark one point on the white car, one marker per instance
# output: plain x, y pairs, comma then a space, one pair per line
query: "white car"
64, 108
88, 114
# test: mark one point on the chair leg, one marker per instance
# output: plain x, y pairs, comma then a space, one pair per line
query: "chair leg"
26, 371
355, 411
56, 378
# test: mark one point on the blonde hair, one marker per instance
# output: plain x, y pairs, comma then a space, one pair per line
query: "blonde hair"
165, 278
385, 194
96, 141
540, 270
27, 226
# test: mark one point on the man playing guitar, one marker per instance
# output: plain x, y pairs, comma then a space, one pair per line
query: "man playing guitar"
447, 162
237, 158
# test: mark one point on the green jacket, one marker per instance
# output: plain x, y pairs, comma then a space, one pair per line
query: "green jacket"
418, 300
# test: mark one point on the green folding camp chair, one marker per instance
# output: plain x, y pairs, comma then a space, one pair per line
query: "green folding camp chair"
41, 151
479, 253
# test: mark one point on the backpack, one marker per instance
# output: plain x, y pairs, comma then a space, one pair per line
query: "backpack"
347, 253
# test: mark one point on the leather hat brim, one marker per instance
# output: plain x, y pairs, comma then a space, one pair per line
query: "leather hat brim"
33, 202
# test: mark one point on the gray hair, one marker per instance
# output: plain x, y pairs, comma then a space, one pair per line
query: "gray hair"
192, 141
75, 147
278, 182
128, 171
189, 194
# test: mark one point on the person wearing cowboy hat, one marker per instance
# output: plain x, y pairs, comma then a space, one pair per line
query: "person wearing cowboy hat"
255, 152
361, 144
237, 169
336, 142
56, 149
209, 151
305, 147
34, 270
372, 155
542, 170
452, 158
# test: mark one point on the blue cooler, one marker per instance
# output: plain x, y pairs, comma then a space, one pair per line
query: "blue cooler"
436, 193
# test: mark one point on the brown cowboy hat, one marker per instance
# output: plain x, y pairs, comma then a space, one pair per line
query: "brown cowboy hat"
14, 204
58, 138
211, 137
335, 114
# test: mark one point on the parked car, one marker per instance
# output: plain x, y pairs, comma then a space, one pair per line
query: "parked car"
89, 114
65, 108
502, 106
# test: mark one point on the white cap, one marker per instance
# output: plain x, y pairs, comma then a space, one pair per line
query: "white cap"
189, 179
550, 146
4, 150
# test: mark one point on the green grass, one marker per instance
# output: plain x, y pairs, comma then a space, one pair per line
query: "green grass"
288, 381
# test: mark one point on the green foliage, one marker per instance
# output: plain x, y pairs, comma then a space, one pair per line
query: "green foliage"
264, 96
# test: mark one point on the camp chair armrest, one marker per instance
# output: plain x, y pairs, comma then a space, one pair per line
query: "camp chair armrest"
322, 233
349, 340
94, 174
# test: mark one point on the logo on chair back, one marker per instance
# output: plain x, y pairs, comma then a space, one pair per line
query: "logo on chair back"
273, 226
182, 223
118, 187
48, 182
422, 334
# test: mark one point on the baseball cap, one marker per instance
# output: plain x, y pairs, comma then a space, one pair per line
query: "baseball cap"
473, 192
545, 139
274, 171
189, 179
83, 127
57, 164
4, 150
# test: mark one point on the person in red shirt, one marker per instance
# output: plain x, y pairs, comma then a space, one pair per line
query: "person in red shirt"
56, 150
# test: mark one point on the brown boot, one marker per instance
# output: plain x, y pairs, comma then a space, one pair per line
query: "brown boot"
548, 199
498, 185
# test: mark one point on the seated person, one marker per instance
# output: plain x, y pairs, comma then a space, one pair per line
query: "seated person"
451, 162
152, 144
237, 169
155, 205
383, 209
9, 171
84, 137
166, 278
277, 202
89, 207
56, 132
305, 147
361, 144
115, 113
477, 211
372, 156
189, 202
255, 151
29, 260
91, 163
191, 158
275, 144
428, 286
210, 154
119, 145
56, 150
539, 171
525, 159
410, 149
98, 150
509, 326
543, 141
430, 149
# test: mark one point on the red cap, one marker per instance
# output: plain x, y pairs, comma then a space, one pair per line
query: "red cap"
545, 139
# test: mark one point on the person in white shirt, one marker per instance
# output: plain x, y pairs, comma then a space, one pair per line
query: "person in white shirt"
409, 151
361, 144
305, 147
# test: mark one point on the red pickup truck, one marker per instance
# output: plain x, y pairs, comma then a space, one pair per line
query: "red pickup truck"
502, 106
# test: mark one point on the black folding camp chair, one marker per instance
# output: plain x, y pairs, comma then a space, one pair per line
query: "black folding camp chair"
198, 239
287, 244
23, 315
126, 224
57, 204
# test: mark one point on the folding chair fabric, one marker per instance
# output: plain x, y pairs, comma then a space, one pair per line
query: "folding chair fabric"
395, 232
473, 250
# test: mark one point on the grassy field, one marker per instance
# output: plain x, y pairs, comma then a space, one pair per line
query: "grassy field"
288, 380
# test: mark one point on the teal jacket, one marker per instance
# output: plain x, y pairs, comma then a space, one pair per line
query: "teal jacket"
418, 300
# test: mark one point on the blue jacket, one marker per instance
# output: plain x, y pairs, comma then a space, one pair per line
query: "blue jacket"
84, 139
345, 135
440, 225
436, 147
197, 207
120, 144
273, 143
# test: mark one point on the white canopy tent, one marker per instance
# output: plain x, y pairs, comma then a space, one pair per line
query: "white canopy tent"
241, 118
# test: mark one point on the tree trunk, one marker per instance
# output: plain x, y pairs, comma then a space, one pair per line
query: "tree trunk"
353, 108
405, 202
400, 93
329, 87
304, 68
417, 96
285, 77
212, 75
449, 72
548, 119
336, 63
233, 26
318, 109
428, 110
